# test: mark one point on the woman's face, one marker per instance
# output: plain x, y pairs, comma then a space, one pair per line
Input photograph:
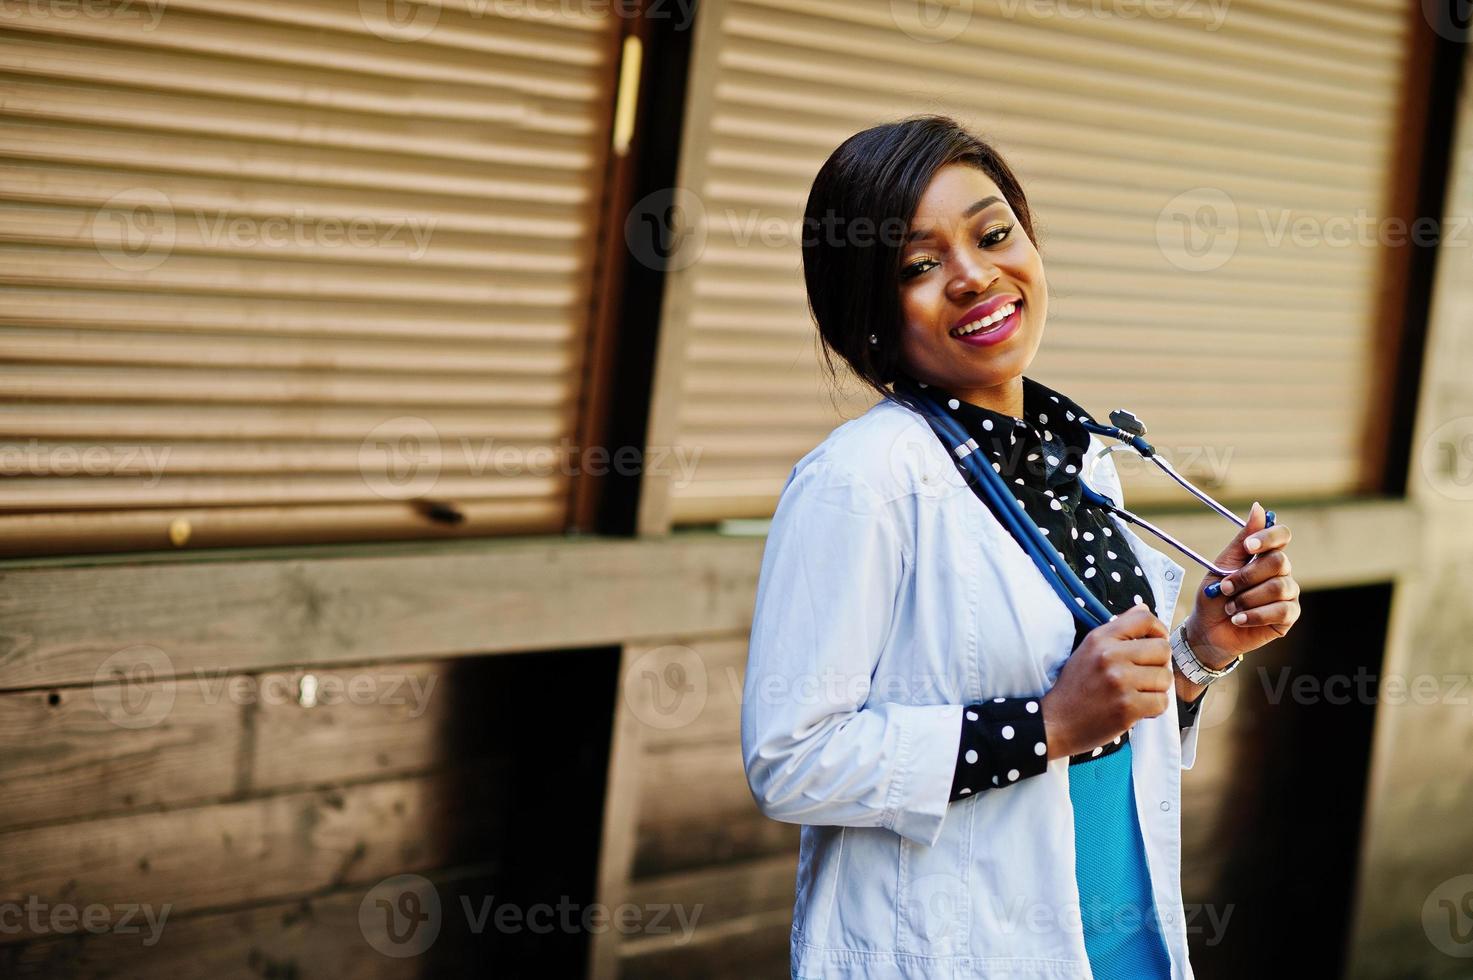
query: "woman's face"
964, 262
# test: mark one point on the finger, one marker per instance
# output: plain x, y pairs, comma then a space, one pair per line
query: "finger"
1280, 587
1271, 564
1137, 622
1149, 704
1150, 651
1284, 612
1269, 539
1151, 679
1235, 555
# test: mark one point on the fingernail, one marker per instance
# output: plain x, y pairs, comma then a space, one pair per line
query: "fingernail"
1227, 587
1230, 608
1240, 619
1212, 591
1253, 543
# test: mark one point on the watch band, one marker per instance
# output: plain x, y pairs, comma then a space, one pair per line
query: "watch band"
1193, 669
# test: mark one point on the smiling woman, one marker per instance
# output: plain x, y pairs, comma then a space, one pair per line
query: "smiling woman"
976, 745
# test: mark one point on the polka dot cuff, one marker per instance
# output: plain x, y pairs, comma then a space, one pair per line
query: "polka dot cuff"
1002, 742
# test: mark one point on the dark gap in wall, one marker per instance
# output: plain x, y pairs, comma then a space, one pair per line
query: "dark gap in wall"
661, 125
1444, 86
548, 718
1280, 783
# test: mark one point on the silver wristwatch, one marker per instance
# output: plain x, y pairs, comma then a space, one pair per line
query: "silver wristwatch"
1192, 668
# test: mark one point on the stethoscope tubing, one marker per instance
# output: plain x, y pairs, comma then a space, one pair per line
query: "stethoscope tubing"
1071, 590
1082, 603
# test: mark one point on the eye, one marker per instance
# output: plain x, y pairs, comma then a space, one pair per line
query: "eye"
990, 239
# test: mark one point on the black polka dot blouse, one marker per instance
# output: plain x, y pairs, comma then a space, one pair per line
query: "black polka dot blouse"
1040, 457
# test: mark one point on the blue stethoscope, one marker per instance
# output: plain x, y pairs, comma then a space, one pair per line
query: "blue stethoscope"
1066, 584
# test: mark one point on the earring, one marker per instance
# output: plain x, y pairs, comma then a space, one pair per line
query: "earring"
873, 339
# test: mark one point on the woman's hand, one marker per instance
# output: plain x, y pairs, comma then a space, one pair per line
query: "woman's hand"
1259, 601
1120, 674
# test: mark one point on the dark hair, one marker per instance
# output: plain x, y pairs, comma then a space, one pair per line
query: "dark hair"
859, 208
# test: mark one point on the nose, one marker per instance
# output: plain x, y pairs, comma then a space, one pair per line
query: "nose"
972, 274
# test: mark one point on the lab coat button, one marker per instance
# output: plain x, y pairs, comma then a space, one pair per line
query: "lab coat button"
1170, 575
1165, 805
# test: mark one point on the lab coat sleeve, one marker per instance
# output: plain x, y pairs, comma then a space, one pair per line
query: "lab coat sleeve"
816, 751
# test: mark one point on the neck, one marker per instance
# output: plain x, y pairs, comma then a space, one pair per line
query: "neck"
1006, 398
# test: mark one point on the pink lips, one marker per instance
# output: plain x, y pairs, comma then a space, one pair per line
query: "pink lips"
998, 332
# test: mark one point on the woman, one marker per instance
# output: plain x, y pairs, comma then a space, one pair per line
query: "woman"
986, 787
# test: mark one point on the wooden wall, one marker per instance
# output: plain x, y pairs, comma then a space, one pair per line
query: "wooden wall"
266, 825
252, 825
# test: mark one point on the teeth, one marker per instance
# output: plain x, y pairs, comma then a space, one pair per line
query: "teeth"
986, 321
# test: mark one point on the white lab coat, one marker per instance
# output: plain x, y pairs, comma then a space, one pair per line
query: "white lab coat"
889, 597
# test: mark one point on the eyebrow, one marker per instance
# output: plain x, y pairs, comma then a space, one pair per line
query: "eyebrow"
986, 202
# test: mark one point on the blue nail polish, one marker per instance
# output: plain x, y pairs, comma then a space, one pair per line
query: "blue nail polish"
1213, 591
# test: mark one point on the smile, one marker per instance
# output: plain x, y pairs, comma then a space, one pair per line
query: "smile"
991, 329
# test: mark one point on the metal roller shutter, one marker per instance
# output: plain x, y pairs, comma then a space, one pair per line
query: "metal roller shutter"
273, 271
1257, 378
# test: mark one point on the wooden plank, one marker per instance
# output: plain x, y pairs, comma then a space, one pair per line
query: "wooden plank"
719, 823
715, 667
77, 752
291, 844
359, 723
621, 810
58, 622
717, 895
372, 604
754, 946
